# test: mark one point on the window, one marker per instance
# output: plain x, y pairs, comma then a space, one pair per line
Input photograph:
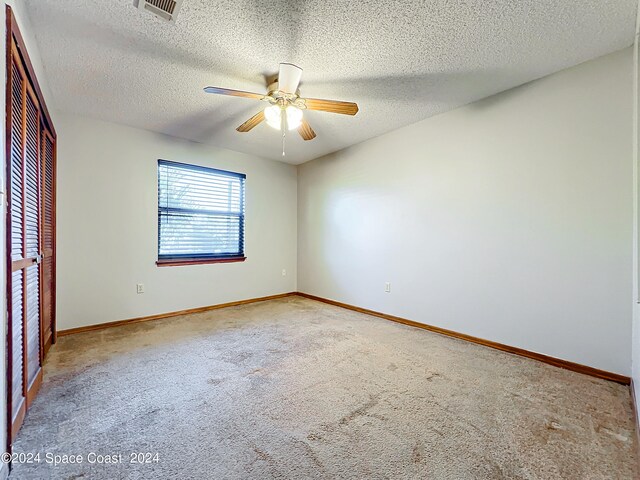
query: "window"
200, 214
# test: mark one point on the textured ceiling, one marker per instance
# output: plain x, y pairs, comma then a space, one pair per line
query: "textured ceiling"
401, 60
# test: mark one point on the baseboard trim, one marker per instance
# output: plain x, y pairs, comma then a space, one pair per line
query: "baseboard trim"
119, 323
556, 362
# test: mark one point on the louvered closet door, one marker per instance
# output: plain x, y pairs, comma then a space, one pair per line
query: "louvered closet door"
17, 244
31, 177
24, 230
47, 184
32, 236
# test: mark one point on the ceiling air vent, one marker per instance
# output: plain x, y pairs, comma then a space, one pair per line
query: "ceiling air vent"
165, 9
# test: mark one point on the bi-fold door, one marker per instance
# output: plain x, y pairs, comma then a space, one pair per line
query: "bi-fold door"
30, 230
47, 235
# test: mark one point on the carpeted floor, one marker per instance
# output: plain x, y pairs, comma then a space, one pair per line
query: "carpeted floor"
296, 389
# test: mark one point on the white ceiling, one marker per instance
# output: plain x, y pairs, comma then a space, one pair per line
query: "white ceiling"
401, 60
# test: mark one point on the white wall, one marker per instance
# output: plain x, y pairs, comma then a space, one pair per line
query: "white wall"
509, 219
635, 352
107, 226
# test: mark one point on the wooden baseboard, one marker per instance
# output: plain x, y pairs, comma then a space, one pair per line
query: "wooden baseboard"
557, 362
119, 323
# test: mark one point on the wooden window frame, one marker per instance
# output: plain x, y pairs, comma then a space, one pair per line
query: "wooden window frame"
197, 261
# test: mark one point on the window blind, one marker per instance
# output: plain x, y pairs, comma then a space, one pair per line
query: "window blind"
200, 212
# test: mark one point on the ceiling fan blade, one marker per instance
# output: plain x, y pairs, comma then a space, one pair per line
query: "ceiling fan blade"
333, 106
289, 78
234, 93
305, 130
252, 122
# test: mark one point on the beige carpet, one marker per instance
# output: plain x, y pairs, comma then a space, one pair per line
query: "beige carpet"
295, 389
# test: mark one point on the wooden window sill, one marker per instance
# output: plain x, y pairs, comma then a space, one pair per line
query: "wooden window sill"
197, 261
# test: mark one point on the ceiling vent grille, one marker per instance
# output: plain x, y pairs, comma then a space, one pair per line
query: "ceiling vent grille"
165, 9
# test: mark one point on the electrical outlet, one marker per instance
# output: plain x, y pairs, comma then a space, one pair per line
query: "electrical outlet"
387, 287
284, 272
140, 288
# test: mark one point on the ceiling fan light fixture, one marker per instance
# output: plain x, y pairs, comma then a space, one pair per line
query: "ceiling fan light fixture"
273, 116
294, 117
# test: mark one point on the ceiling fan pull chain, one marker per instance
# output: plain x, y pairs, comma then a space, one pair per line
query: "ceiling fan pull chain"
283, 134
283, 126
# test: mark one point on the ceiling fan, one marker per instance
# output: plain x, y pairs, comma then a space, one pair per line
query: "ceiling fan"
285, 110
